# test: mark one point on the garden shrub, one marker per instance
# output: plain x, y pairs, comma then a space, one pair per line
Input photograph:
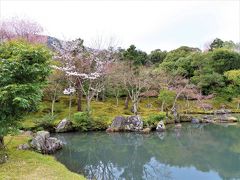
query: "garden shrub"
101, 122
153, 119
46, 122
82, 121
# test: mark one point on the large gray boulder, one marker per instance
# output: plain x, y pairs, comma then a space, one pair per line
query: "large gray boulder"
64, 126
225, 119
131, 123
222, 111
208, 119
42, 142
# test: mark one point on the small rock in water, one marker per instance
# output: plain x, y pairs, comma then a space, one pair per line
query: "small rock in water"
195, 121
146, 130
161, 126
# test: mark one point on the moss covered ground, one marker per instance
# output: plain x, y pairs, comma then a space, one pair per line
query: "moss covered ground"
29, 165
107, 110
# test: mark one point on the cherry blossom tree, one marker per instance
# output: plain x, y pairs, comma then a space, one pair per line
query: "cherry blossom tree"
16, 28
86, 66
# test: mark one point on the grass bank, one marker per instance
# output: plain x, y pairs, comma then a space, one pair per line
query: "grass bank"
29, 165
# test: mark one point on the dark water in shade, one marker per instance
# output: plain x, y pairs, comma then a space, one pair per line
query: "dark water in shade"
194, 152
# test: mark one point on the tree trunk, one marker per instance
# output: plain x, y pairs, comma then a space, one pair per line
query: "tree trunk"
70, 106
162, 106
88, 104
97, 96
52, 109
79, 103
187, 105
126, 102
53, 101
135, 108
103, 95
116, 100
116, 96
1, 142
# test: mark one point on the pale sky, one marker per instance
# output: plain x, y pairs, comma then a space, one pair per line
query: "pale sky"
147, 24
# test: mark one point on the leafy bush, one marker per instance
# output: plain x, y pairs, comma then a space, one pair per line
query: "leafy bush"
166, 97
24, 68
82, 121
46, 122
100, 123
153, 119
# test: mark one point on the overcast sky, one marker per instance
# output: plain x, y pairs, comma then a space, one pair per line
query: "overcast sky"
147, 24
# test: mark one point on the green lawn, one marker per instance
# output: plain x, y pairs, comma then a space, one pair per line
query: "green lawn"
29, 165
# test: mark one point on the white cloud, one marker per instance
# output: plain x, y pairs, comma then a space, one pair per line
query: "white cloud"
147, 24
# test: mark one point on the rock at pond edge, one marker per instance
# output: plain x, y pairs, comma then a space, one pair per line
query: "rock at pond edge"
64, 126
161, 126
130, 123
42, 142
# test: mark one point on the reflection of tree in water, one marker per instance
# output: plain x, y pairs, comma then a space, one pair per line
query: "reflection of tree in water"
138, 156
103, 171
154, 170
113, 156
89, 156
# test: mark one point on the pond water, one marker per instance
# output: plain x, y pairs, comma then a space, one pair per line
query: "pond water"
192, 152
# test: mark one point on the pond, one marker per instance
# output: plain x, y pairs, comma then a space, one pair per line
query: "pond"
192, 152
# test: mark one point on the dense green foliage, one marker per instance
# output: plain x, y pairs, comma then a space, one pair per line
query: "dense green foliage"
157, 56
45, 122
134, 56
178, 61
204, 69
217, 43
23, 70
233, 84
153, 119
166, 98
82, 121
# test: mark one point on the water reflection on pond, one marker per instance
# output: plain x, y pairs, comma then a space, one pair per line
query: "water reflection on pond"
193, 152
